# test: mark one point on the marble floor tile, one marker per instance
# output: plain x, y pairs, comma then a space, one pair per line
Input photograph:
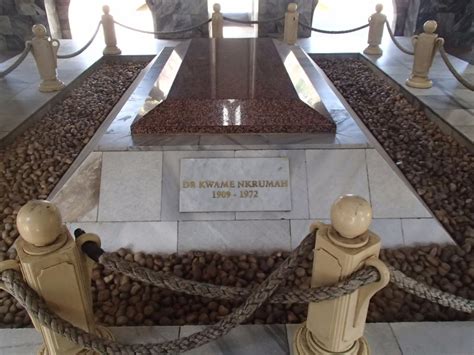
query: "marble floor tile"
143, 335
248, 340
426, 92
444, 102
424, 231
299, 228
390, 197
25, 341
170, 193
464, 97
130, 186
458, 117
442, 338
149, 237
332, 173
389, 231
78, 200
467, 131
234, 236
298, 184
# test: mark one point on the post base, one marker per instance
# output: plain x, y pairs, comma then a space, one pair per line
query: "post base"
373, 50
305, 344
419, 82
51, 85
112, 50
102, 331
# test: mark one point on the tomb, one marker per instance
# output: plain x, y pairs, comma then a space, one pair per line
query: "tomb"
229, 86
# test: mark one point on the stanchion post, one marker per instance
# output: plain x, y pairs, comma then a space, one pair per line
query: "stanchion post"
425, 46
53, 264
217, 22
290, 32
376, 26
110, 38
44, 50
337, 326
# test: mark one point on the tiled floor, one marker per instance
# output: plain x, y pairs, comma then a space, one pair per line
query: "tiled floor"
454, 338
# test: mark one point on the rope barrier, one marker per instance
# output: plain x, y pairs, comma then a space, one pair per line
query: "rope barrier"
253, 22
14, 284
12, 281
190, 287
18, 61
453, 70
164, 33
66, 56
333, 32
430, 293
395, 41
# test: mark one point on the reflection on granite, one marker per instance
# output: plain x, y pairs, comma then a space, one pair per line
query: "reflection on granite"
234, 86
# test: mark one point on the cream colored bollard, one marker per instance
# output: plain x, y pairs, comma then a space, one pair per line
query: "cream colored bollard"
337, 326
217, 22
108, 25
376, 26
426, 44
53, 264
45, 50
290, 32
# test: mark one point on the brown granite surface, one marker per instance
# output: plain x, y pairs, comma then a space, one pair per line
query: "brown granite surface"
232, 86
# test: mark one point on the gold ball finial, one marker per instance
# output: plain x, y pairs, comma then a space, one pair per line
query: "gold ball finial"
430, 26
39, 30
378, 8
106, 9
351, 216
39, 222
216, 7
292, 7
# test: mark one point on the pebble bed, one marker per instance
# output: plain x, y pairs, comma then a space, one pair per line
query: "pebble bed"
32, 165
120, 301
439, 168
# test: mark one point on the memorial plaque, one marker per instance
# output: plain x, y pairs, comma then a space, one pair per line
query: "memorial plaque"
235, 184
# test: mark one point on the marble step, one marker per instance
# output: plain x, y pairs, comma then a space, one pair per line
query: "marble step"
442, 338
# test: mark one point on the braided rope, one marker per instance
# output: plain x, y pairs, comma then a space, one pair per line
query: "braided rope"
79, 51
453, 70
333, 32
190, 287
395, 41
164, 33
430, 293
253, 22
37, 308
18, 61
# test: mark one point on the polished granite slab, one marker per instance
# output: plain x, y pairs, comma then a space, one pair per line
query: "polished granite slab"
232, 86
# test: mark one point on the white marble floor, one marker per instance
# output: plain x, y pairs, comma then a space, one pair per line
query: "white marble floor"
454, 338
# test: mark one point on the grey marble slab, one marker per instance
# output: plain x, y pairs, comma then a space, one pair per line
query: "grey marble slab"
332, 173
130, 188
78, 199
442, 338
261, 236
390, 197
424, 231
237, 184
248, 340
298, 183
